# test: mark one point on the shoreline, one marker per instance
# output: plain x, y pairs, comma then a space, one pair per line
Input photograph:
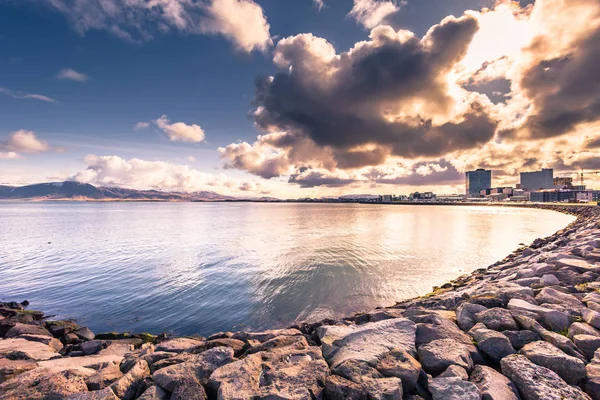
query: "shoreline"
457, 329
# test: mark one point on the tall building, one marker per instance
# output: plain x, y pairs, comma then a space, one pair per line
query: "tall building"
537, 180
478, 180
561, 182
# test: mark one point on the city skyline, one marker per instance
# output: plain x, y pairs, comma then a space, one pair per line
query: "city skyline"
310, 99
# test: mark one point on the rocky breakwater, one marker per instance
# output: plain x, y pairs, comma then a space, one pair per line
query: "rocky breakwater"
527, 327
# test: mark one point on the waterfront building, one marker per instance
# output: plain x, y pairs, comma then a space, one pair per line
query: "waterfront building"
537, 180
387, 198
562, 182
477, 180
428, 196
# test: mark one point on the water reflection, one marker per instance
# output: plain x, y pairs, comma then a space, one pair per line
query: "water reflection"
200, 268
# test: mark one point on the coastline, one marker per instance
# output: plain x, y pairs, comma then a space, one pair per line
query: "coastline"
425, 346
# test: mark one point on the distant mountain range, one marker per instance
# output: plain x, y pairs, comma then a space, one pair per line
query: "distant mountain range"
70, 190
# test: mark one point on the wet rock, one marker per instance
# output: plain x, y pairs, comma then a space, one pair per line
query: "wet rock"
197, 369
104, 378
91, 347
438, 355
400, 364
154, 392
518, 339
535, 382
126, 387
588, 344
366, 342
104, 394
41, 383
453, 389
465, 315
178, 345
280, 373
338, 388
498, 319
58, 329
26, 329
571, 369
85, 334
553, 296
493, 385
21, 349
493, 344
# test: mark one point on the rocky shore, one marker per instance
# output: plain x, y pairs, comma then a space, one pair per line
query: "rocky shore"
527, 327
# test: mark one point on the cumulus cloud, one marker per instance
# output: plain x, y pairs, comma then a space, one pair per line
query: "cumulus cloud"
179, 131
72, 75
23, 141
370, 13
15, 94
240, 21
142, 174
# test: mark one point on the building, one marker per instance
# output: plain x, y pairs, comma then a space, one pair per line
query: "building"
538, 180
478, 180
428, 196
562, 182
387, 198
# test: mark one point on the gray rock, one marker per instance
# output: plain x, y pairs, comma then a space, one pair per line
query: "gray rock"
104, 377
588, 344
85, 333
493, 385
265, 335
550, 280
454, 371
438, 355
553, 296
42, 383
445, 329
578, 265
581, 328
494, 344
571, 369
593, 306
535, 382
357, 371
498, 319
26, 329
554, 338
104, 394
91, 347
126, 387
192, 390
592, 386
21, 349
154, 392
338, 388
400, 364
592, 297
453, 388
54, 343
366, 342
384, 389
518, 339
552, 319
178, 345
465, 315
591, 317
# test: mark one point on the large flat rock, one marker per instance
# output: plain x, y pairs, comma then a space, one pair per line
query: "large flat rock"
366, 342
92, 362
26, 350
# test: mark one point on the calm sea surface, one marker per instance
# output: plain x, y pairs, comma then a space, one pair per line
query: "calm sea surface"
201, 268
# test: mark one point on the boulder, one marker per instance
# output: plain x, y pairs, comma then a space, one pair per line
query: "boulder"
591, 317
498, 319
191, 390
592, 386
493, 385
465, 315
155, 392
280, 373
104, 377
338, 388
518, 339
54, 344
588, 344
549, 280
554, 338
576, 264
356, 371
571, 369
21, 349
41, 383
279, 341
552, 319
581, 328
535, 382
493, 344
84, 333
127, 386
454, 371
400, 364
26, 329
366, 342
11, 368
553, 296
63, 364
438, 355
178, 345
592, 297
104, 394
383, 389
92, 347
265, 335
236, 345
197, 369
453, 388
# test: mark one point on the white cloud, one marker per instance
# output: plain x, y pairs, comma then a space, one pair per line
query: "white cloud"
142, 174
370, 13
8, 155
180, 132
240, 21
15, 94
319, 4
191, 158
23, 141
141, 125
72, 75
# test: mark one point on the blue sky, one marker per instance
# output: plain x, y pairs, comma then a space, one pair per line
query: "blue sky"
193, 77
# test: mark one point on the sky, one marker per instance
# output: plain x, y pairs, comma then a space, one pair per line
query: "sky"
302, 98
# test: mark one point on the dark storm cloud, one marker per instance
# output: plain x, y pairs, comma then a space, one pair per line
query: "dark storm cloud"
566, 90
314, 178
341, 102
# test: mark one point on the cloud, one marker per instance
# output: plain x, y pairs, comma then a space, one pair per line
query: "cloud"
242, 22
180, 132
141, 125
310, 178
22, 95
72, 75
8, 155
191, 158
370, 13
319, 4
23, 141
142, 174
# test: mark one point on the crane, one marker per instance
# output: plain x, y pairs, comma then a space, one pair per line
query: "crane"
581, 173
